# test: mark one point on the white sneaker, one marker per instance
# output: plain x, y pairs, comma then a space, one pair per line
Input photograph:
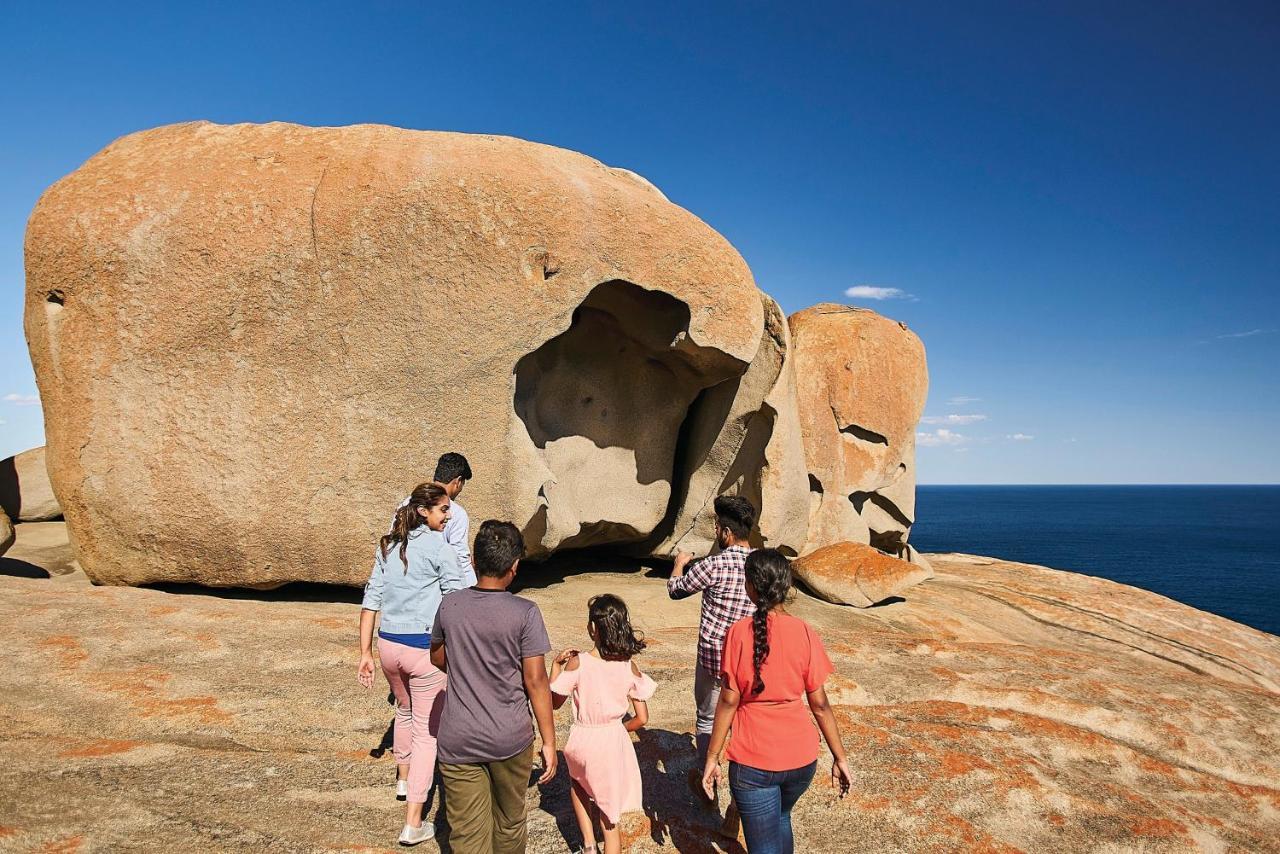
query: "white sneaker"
402, 790
413, 835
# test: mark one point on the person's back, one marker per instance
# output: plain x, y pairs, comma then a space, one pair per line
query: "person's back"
771, 661
721, 579
486, 712
409, 590
492, 644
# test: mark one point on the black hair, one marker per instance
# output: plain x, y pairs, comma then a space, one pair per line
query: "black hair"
736, 515
408, 519
615, 638
498, 545
452, 465
769, 572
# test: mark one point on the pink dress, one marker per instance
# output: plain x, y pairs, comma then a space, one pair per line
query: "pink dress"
599, 753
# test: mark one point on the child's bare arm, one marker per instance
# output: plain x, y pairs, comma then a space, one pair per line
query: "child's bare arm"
567, 660
641, 716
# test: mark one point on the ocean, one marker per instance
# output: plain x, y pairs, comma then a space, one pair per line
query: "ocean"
1216, 548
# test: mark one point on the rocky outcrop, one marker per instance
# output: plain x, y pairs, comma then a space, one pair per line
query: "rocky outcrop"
856, 574
277, 329
6, 532
26, 493
861, 387
1002, 707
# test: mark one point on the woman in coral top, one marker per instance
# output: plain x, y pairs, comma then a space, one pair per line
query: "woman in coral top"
771, 660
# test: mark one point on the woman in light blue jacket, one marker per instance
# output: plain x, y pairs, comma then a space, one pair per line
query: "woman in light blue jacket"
412, 571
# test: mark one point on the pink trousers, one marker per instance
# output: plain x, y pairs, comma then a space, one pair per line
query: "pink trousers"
418, 686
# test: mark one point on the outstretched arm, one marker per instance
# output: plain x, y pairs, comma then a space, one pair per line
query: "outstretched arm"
686, 578
567, 660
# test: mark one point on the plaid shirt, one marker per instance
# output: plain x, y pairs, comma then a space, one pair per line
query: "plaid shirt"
721, 579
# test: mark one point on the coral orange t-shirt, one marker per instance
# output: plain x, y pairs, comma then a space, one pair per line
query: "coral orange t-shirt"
774, 730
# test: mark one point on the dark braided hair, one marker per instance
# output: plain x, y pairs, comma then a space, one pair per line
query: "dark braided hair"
408, 519
615, 638
769, 573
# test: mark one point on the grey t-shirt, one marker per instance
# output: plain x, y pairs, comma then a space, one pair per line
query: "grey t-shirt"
486, 634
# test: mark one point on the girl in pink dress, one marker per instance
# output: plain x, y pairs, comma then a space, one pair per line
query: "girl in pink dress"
604, 685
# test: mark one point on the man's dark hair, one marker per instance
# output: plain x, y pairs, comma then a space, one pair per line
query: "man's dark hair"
736, 515
498, 545
450, 466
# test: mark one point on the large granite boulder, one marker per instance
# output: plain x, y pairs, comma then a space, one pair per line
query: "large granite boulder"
6, 532
861, 385
25, 491
251, 340
856, 574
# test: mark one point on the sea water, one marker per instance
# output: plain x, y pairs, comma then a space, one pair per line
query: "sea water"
1216, 548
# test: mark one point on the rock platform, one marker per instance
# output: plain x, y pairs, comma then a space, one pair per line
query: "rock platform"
998, 707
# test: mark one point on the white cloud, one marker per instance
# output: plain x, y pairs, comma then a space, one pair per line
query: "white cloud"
875, 292
941, 436
961, 400
952, 419
22, 399
1020, 437
1249, 334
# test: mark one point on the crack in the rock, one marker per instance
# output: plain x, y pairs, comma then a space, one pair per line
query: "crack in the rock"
1223, 661
315, 249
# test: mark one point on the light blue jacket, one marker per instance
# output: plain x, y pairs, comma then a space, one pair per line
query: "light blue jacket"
409, 600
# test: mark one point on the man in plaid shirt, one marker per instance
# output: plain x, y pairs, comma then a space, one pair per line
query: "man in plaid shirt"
722, 581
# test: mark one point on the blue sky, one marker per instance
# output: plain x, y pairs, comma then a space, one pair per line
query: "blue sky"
1080, 200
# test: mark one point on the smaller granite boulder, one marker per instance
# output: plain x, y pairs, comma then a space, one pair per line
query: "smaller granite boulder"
856, 574
6, 532
25, 491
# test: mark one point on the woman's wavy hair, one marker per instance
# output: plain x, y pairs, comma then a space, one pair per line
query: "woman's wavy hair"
408, 519
769, 572
615, 637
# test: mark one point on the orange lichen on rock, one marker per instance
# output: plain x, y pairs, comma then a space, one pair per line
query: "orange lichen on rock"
70, 653
142, 687
856, 574
105, 747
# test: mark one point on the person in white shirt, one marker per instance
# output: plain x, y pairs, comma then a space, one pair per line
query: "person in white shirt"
452, 472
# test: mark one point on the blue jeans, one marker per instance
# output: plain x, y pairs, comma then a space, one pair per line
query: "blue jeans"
764, 800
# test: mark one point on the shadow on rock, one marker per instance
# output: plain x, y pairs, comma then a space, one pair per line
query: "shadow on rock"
665, 760
537, 575
299, 591
21, 569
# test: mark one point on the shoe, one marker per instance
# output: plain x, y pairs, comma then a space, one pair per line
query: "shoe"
695, 786
413, 835
402, 790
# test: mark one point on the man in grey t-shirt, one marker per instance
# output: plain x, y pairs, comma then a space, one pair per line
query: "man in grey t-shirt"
492, 643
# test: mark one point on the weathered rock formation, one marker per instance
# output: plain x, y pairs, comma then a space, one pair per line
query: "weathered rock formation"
251, 340
856, 574
6, 532
1003, 707
861, 385
26, 493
